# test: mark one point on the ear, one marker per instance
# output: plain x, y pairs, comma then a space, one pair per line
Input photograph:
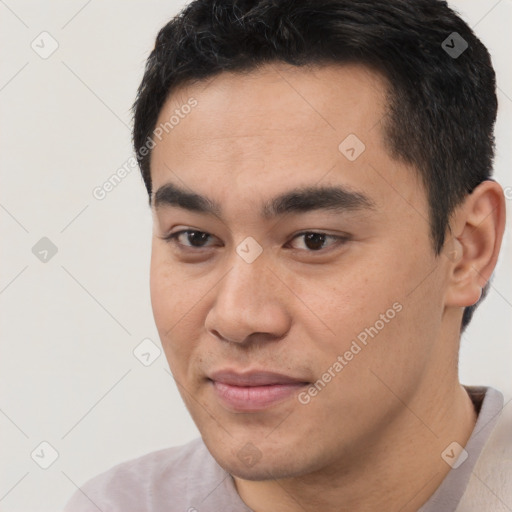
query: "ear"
472, 250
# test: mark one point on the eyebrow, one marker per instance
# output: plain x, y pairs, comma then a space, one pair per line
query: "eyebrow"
297, 200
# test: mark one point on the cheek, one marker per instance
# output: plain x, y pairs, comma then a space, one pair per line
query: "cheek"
394, 314
171, 293
376, 301
351, 298
161, 293
170, 301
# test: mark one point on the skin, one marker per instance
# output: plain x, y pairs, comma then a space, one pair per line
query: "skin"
372, 438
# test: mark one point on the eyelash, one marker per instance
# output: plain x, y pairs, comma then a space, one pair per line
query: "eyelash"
172, 238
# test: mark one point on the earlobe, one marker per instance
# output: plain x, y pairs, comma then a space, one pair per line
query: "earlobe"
473, 249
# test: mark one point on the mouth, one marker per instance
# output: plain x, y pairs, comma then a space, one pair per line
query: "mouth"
253, 391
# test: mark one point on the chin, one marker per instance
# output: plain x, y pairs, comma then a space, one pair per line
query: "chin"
262, 470
249, 463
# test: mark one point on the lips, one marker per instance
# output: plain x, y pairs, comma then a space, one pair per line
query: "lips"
255, 378
253, 391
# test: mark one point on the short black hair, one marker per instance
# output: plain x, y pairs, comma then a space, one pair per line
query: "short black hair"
442, 100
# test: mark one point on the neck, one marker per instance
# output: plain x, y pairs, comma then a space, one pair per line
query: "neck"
399, 469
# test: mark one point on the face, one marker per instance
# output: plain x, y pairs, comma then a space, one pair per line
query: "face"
297, 298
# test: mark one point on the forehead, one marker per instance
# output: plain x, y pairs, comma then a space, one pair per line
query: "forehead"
273, 127
313, 101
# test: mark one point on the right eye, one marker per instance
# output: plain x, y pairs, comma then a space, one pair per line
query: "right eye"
195, 238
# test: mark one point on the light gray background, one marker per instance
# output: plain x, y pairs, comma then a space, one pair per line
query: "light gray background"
70, 325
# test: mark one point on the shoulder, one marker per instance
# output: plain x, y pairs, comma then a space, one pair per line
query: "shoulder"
143, 482
496, 458
490, 485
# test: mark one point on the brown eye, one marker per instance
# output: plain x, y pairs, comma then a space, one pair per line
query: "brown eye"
189, 238
315, 242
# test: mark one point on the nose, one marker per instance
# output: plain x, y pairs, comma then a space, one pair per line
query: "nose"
250, 304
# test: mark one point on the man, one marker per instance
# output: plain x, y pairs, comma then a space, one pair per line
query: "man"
325, 222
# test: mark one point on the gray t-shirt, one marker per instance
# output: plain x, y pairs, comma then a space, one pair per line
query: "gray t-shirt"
188, 479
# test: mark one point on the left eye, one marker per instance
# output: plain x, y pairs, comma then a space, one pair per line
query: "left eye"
313, 241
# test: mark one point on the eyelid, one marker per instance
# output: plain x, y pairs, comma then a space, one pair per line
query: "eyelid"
339, 240
172, 238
